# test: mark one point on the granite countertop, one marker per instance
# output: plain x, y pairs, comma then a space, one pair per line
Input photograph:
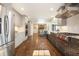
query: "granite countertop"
77, 37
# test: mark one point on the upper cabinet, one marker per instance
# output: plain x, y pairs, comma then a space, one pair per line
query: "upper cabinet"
62, 22
0, 10
59, 21
68, 10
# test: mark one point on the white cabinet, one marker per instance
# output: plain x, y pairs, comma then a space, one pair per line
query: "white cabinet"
0, 40
62, 22
2, 51
0, 10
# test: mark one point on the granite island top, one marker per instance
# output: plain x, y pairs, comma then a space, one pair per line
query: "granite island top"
77, 37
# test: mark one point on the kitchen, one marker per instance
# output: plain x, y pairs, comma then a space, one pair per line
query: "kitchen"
17, 24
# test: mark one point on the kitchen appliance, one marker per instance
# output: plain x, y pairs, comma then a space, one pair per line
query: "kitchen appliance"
7, 45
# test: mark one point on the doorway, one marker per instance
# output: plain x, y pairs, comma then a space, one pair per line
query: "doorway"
42, 29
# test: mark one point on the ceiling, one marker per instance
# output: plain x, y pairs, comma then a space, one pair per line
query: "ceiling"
37, 10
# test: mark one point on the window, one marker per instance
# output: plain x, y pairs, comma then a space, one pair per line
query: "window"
55, 27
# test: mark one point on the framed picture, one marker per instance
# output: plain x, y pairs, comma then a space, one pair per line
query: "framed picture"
53, 27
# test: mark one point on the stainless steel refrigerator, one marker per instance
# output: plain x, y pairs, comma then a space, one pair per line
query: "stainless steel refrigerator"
7, 39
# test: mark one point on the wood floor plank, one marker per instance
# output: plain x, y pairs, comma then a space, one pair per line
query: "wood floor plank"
36, 43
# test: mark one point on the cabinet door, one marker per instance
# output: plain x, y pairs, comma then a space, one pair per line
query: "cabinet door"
0, 34
64, 22
0, 40
59, 21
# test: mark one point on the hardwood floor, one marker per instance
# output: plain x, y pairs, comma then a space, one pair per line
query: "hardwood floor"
36, 43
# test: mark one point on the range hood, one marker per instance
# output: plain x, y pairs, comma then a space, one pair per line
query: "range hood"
68, 10
72, 4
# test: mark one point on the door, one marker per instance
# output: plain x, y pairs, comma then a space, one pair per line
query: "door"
0, 26
10, 49
3, 31
2, 13
7, 25
0, 32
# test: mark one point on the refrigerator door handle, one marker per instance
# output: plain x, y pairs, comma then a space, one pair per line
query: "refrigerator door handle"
6, 28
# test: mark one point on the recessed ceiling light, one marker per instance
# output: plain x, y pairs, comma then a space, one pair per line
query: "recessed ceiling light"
51, 9
22, 9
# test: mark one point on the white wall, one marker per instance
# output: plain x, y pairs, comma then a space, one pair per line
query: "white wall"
35, 28
19, 29
73, 24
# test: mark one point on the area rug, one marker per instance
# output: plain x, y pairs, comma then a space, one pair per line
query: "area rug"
41, 53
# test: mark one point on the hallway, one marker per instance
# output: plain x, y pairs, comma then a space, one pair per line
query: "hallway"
36, 43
